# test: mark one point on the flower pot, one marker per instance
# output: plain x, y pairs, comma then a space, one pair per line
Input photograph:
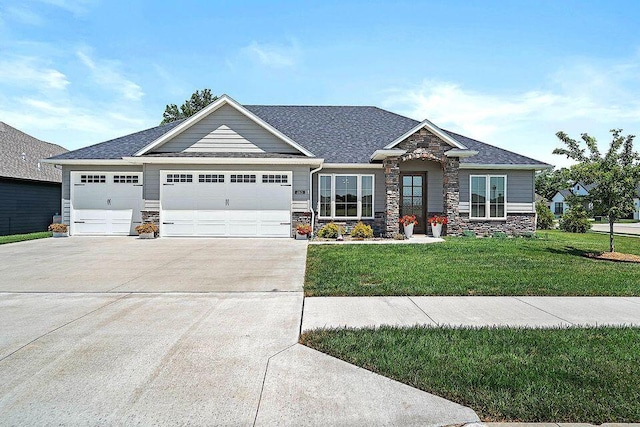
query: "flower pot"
436, 230
408, 230
302, 236
147, 235
65, 234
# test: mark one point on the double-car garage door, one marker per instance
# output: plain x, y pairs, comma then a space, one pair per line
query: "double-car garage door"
233, 204
192, 203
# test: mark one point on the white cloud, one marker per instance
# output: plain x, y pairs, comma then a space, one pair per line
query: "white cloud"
24, 16
273, 55
28, 72
76, 7
581, 97
106, 73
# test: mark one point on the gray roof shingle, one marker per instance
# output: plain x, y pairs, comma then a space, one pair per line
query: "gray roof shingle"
20, 156
338, 134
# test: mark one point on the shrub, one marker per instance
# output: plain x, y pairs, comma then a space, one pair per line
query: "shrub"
468, 233
362, 231
545, 218
147, 228
398, 236
575, 220
499, 235
58, 228
330, 231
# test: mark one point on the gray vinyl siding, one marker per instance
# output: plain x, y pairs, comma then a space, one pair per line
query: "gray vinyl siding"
27, 206
520, 184
435, 177
66, 174
378, 184
223, 131
151, 189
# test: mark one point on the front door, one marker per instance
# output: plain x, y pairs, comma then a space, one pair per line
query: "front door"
413, 198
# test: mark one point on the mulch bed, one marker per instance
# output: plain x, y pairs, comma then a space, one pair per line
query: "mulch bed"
614, 256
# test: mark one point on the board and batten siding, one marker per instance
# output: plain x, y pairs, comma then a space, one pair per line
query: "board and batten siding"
300, 185
379, 198
520, 188
66, 181
226, 130
27, 206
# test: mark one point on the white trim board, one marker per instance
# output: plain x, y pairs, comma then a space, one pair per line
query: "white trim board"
433, 129
223, 100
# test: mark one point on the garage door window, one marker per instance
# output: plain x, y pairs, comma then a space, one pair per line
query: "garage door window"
178, 177
275, 179
125, 179
93, 179
210, 178
243, 178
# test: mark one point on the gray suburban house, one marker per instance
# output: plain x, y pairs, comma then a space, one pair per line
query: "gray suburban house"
30, 190
260, 170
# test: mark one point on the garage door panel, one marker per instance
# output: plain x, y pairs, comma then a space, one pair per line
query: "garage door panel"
105, 203
233, 204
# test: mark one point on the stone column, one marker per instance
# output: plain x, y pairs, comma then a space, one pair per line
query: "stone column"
392, 198
451, 193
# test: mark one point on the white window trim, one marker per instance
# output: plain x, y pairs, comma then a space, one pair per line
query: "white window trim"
359, 196
487, 198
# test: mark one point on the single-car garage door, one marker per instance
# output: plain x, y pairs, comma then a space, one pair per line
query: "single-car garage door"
222, 203
105, 203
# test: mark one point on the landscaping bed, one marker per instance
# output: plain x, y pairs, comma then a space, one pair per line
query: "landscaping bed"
554, 264
22, 237
587, 375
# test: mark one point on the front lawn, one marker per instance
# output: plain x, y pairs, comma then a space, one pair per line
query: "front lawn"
552, 265
22, 237
587, 375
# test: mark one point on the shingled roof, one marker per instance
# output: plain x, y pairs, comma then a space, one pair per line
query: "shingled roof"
20, 156
337, 134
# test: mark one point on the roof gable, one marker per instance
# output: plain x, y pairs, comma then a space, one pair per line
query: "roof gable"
189, 124
448, 138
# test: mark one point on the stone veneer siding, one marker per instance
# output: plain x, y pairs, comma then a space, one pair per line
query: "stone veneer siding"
514, 225
424, 145
152, 217
377, 224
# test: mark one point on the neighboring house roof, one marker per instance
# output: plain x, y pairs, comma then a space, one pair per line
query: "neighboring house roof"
587, 187
21, 155
337, 134
565, 193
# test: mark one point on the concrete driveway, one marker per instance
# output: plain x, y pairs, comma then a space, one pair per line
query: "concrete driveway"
129, 264
119, 331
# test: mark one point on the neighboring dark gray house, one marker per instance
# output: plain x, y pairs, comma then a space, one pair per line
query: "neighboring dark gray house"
30, 190
259, 170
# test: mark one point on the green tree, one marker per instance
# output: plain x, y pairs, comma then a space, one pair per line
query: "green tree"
549, 182
615, 174
544, 217
198, 101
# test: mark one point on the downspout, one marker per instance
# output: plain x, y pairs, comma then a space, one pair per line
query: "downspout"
313, 212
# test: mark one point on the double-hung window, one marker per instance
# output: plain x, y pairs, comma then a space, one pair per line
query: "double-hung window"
488, 196
345, 196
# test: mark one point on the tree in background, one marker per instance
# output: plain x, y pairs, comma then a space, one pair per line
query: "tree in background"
198, 101
615, 174
549, 182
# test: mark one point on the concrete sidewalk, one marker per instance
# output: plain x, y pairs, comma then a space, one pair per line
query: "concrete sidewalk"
544, 312
619, 228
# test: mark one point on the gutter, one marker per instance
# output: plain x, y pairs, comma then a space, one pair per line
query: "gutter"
313, 212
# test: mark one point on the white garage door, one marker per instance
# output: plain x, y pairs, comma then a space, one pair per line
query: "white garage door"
105, 203
233, 204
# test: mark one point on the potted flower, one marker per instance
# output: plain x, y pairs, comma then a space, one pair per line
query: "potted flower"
147, 230
59, 230
436, 224
303, 231
408, 221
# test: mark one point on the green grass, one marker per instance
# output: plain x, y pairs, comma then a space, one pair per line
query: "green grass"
552, 265
585, 375
22, 237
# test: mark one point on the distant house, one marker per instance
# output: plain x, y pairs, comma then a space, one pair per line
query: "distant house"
30, 190
559, 202
636, 203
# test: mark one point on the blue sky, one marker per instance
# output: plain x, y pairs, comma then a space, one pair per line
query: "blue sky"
510, 73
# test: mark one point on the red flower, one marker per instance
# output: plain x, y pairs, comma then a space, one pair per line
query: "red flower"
408, 219
438, 220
